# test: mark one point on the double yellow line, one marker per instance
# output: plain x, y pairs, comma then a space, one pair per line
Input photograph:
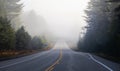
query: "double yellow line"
51, 67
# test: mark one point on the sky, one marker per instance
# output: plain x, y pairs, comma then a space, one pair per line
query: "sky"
64, 17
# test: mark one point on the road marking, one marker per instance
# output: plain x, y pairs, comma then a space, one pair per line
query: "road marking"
16, 63
100, 63
51, 67
20, 61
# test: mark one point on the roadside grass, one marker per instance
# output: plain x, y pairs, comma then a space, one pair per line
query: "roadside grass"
11, 54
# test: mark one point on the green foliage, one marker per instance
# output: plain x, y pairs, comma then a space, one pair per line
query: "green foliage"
7, 35
22, 39
9, 39
11, 10
35, 43
8, 10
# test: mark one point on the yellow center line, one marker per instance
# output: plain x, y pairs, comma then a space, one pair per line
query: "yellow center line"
51, 67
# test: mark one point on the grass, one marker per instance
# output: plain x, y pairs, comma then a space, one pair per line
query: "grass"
11, 54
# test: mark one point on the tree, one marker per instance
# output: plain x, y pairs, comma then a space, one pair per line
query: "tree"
7, 35
115, 30
10, 8
35, 43
98, 25
22, 39
103, 31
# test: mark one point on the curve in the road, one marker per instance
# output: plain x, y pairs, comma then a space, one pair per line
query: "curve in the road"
100, 63
19, 62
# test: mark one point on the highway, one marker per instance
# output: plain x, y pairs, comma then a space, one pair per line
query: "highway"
59, 58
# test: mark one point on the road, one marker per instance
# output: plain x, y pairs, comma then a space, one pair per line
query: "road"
60, 58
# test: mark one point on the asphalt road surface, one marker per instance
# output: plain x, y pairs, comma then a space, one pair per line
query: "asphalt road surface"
60, 58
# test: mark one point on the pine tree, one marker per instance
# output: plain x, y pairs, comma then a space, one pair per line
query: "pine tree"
7, 35
115, 29
10, 8
35, 43
22, 39
97, 26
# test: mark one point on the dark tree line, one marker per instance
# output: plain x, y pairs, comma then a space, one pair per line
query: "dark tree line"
103, 30
11, 39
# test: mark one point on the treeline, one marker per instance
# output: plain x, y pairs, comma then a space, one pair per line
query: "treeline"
103, 31
10, 38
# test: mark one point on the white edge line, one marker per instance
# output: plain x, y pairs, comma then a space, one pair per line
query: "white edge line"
19, 62
100, 63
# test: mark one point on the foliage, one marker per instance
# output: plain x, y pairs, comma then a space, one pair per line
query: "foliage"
7, 34
22, 39
35, 43
9, 8
98, 28
115, 32
9, 19
103, 31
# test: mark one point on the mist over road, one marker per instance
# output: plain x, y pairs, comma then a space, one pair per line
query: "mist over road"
60, 58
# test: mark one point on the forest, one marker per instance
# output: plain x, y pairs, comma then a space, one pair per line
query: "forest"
13, 36
102, 35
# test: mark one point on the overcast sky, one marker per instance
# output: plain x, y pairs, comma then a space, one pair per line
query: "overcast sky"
64, 17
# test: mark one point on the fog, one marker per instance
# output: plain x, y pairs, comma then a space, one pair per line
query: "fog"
55, 19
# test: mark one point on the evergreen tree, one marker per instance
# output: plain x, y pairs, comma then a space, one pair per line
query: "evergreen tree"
98, 25
7, 35
22, 39
103, 31
35, 43
115, 30
10, 8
